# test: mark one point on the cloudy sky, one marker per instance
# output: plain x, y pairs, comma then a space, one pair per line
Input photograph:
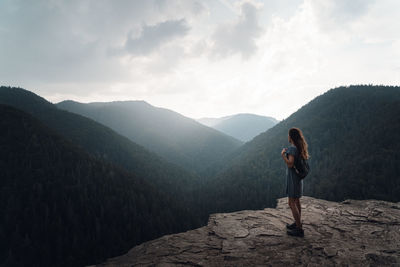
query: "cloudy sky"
205, 58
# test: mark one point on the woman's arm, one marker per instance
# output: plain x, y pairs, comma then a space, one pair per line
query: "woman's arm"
289, 161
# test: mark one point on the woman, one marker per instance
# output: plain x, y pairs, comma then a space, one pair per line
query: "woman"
294, 185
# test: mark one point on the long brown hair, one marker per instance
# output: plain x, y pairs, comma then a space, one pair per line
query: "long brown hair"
299, 141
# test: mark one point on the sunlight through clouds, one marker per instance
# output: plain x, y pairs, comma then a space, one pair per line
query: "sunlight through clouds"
199, 58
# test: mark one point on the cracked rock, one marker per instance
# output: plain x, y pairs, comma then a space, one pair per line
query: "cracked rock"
351, 232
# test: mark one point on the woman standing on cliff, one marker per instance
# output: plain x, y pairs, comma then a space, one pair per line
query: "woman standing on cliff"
294, 185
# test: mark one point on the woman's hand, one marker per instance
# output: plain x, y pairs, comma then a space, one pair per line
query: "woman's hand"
288, 160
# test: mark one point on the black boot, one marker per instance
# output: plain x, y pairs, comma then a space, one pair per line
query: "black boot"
291, 226
296, 232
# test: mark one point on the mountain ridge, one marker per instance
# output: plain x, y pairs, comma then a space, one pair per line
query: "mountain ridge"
210, 121
243, 126
103, 143
179, 139
342, 127
59, 203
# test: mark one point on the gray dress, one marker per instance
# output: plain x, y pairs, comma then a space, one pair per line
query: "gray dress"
294, 185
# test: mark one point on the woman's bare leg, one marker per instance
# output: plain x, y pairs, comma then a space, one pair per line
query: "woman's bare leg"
297, 201
295, 212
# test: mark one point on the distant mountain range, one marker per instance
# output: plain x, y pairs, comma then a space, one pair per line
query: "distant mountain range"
178, 139
241, 126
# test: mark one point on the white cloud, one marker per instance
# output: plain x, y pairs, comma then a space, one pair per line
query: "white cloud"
239, 36
154, 36
335, 14
189, 55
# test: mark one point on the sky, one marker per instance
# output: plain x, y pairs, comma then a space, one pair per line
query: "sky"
209, 58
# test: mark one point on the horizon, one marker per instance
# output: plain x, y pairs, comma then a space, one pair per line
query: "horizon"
197, 118
141, 100
202, 59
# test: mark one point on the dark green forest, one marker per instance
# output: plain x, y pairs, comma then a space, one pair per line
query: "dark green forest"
74, 191
105, 144
62, 207
178, 139
352, 134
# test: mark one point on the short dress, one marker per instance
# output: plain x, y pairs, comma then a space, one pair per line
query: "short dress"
294, 185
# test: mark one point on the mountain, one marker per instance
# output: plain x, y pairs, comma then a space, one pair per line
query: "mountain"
59, 206
349, 233
210, 122
105, 144
179, 139
241, 126
352, 134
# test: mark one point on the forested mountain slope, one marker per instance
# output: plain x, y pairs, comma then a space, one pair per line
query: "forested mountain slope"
179, 139
103, 143
59, 206
352, 134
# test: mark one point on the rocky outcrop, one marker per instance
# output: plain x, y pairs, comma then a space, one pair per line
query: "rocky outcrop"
349, 233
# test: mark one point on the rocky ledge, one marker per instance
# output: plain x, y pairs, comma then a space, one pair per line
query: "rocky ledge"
348, 233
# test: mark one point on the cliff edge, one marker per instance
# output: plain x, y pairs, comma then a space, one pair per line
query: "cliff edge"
347, 233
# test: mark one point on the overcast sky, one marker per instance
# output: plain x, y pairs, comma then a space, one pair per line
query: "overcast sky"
206, 58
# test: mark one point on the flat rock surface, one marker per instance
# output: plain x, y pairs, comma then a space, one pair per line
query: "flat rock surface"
348, 233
